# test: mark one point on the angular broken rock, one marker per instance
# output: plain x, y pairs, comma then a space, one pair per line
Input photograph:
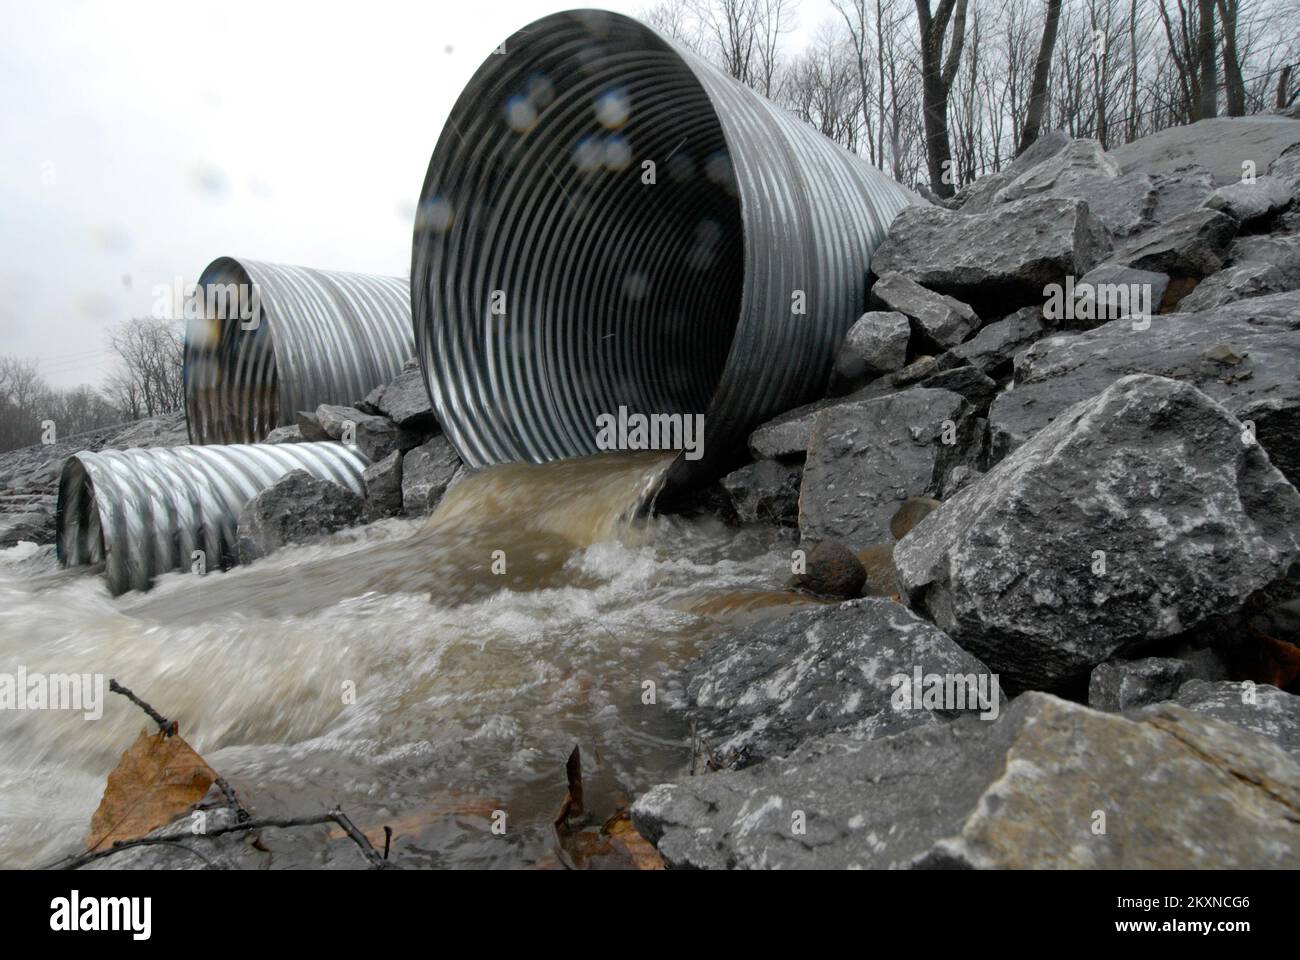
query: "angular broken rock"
765, 690
292, 434
383, 484
999, 260
1244, 355
1179, 791
405, 400
1082, 160
1119, 685
298, 507
1252, 201
1279, 251
938, 320
1135, 516
875, 345
977, 387
866, 458
1261, 708
1238, 282
427, 472
1191, 245
373, 435
979, 195
764, 492
1147, 284
993, 348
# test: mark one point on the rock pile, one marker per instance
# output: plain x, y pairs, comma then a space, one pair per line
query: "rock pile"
1063, 446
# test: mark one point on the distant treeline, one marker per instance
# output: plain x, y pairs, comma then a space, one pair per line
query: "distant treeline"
146, 382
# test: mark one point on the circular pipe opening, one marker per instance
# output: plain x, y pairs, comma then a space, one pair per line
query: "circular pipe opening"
232, 380
579, 245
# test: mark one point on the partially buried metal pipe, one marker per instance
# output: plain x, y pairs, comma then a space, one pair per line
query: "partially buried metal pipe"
266, 340
145, 512
609, 222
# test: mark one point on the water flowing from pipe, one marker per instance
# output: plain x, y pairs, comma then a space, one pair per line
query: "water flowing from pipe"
471, 685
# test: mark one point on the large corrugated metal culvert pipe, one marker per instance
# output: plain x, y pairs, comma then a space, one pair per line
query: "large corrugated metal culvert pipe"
145, 512
610, 222
266, 340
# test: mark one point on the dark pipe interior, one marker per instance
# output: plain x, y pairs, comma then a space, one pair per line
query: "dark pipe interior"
618, 291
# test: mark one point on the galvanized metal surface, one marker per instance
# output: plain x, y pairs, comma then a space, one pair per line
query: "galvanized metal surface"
319, 337
145, 512
607, 221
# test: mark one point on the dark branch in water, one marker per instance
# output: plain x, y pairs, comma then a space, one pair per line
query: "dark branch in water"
166, 726
335, 816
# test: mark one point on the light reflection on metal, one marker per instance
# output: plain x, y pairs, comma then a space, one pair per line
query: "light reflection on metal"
145, 512
318, 337
655, 236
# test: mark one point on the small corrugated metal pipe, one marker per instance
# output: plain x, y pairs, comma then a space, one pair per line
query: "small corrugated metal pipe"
267, 340
145, 512
610, 222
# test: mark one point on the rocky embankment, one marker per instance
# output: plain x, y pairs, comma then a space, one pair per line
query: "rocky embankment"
1063, 448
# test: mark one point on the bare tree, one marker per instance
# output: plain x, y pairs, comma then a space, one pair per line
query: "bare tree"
1042, 70
149, 380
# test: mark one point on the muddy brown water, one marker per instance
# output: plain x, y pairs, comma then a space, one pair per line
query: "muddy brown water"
472, 683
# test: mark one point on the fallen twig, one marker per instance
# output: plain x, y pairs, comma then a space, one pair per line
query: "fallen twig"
335, 816
166, 726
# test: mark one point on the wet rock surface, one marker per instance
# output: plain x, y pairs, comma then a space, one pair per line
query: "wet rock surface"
764, 691
297, 508
865, 458
1176, 789
1134, 516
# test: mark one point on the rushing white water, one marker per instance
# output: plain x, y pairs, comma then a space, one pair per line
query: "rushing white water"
472, 685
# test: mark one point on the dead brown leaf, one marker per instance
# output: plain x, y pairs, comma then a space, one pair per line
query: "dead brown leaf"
158, 779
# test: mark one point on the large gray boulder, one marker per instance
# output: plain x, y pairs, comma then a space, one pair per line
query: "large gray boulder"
998, 260
1191, 245
979, 195
1261, 708
1078, 161
1287, 168
1051, 785
764, 492
297, 508
1244, 355
427, 472
373, 435
866, 458
1181, 192
1134, 517
1221, 145
1251, 201
767, 689
875, 345
1281, 252
1107, 280
1237, 282
937, 320
405, 400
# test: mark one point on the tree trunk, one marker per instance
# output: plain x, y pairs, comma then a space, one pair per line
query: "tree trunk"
1235, 86
936, 81
1205, 60
1042, 69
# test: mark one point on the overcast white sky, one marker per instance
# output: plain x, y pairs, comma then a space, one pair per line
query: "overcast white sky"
140, 139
